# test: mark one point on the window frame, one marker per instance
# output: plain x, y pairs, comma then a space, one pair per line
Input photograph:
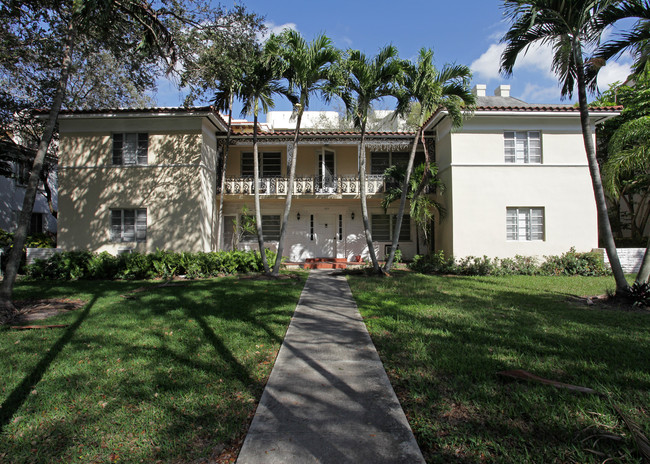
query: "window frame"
528, 157
139, 157
268, 230
263, 162
406, 220
119, 232
530, 215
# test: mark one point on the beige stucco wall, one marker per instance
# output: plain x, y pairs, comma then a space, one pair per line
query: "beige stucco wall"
176, 186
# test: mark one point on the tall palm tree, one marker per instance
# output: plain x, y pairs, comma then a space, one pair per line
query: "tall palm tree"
223, 101
636, 41
570, 28
307, 71
432, 89
360, 81
258, 87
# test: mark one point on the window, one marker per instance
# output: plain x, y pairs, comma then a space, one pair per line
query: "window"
270, 228
383, 226
523, 147
130, 148
128, 225
380, 161
36, 224
524, 224
22, 172
270, 164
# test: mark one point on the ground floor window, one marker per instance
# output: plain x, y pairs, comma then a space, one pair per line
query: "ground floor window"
270, 228
524, 224
384, 224
128, 225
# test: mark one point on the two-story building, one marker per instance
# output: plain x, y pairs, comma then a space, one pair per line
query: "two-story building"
516, 182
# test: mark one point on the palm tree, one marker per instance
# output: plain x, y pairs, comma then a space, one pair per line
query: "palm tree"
359, 82
636, 41
257, 89
570, 27
421, 207
223, 100
432, 89
306, 70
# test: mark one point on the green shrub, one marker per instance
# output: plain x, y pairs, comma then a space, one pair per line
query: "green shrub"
570, 263
72, 265
574, 263
398, 256
40, 241
640, 293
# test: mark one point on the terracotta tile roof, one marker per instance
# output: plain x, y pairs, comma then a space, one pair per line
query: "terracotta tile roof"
529, 108
312, 133
152, 110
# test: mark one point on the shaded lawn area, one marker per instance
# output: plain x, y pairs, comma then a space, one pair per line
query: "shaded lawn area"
172, 374
443, 339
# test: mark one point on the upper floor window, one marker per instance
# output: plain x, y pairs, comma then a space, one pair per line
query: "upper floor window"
270, 164
22, 170
128, 225
523, 147
130, 148
383, 226
524, 224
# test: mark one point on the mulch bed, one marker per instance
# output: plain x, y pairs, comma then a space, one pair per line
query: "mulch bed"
37, 310
607, 302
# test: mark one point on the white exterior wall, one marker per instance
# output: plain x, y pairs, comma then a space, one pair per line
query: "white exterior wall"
12, 196
299, 246
484, 186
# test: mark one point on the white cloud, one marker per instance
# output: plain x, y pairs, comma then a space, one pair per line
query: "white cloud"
537, 58
272, 28
487, 65
535, 93
611, 73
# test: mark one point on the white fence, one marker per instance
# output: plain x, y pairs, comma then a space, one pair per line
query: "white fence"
40, 253
630, 258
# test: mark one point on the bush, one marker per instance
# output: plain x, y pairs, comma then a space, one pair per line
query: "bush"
640, 293
574, 263
570, 263
72, 265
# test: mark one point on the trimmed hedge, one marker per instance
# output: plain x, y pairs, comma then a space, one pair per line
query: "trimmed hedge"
569, 263
74, 265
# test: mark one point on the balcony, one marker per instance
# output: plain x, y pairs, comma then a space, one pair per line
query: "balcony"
328, 185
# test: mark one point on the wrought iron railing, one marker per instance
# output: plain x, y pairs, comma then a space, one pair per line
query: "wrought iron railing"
317, 185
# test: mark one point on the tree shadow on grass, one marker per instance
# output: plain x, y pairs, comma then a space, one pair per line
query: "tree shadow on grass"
20, 394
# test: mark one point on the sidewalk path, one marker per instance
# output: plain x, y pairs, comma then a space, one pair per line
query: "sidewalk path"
328, 399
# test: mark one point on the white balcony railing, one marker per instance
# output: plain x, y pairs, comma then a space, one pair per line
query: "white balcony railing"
328, 185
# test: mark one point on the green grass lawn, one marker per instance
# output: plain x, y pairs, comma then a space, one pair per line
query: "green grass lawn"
443, 339
166, 375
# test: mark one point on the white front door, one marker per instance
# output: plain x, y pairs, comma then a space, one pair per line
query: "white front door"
326, 172
325, 229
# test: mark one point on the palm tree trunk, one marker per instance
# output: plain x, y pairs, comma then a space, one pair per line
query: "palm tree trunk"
258, 210
16, 253
223, 177
644, 270
604, 227
287, 204
402, 203
364, 202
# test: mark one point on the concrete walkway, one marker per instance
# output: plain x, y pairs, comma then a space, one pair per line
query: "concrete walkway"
328, 399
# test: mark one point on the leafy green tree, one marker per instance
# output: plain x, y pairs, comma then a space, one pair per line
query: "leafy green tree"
360, 81
307, 70
570, 28
258, 86
128, 30
430, 89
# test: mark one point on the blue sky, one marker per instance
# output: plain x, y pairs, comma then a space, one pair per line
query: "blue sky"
463, 32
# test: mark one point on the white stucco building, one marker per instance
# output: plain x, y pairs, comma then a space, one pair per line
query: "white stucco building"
516, 177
